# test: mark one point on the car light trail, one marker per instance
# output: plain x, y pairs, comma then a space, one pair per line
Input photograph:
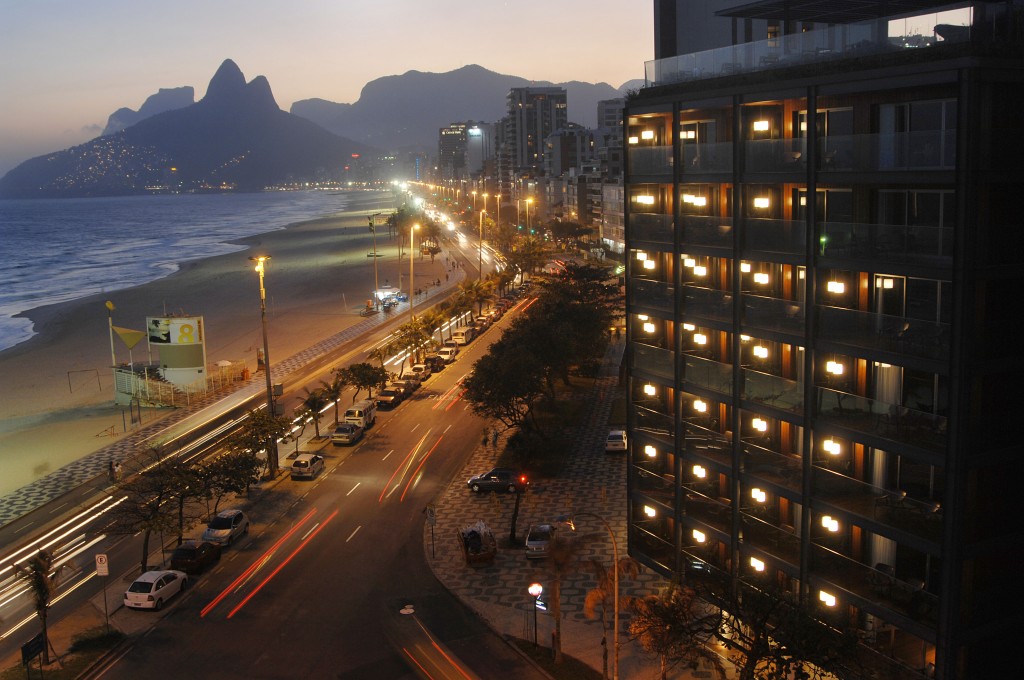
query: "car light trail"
255, 565
282, 565
404, 464
414, 473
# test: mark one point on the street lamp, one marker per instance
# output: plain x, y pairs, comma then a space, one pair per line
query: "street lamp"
497, 208
480, 266
485, 201
615, 596
529, 202
412, 259
535, 589
272, 448
474, 198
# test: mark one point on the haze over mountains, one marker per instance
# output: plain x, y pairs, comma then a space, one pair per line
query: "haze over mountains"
237, 136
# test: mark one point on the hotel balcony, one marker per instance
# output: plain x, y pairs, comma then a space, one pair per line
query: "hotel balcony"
651, 231
709, 232
708, 374
707, 303
882, 420
807, 48
773, 314
895, 334
706, 158
783, 237
887, 242
653, 361
774, 391
651, 161
653, 296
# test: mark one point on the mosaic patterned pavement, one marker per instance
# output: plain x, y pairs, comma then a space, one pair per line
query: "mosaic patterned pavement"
591, 481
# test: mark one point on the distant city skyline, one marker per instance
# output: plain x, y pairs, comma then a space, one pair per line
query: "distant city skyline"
66, 66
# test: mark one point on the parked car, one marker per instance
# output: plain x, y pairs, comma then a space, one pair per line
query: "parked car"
307, 466
192, 557
498, 479
539, 537
422, 371
153, 588
346, 434
447, 354
362, 413
226, 527
616, 441
407, 387
435, 362
389, 397
451, 344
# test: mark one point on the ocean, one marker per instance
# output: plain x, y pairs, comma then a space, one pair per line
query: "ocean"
62, 249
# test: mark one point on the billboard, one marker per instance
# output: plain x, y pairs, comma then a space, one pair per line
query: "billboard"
175, 330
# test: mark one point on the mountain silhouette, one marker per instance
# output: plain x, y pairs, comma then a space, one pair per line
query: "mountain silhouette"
167, 99
235, 137
406, 111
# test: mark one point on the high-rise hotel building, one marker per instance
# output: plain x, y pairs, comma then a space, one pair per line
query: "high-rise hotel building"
825, 271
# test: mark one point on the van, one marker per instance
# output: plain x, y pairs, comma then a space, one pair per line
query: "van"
463, 336
362, 413
447, 354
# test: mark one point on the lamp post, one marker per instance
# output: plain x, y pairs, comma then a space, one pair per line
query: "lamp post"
535, 589
376, 281
497, 208
412, 259
474, 199
529, 202
480, 266
110, 323
615, 596
272, 448
485, 201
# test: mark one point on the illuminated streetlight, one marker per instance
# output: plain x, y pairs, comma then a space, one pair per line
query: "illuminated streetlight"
412, 259
535, 589
480, 266
272, 447
529, 202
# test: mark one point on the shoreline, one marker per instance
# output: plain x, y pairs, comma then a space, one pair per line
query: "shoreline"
57, 403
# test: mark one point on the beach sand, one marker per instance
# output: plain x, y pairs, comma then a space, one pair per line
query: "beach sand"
56, 404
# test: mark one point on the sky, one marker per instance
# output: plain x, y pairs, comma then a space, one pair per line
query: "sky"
66, 65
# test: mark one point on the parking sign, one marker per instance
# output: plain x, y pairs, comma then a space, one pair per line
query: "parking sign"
102, 568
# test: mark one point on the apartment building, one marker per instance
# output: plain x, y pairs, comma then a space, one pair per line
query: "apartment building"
821, 244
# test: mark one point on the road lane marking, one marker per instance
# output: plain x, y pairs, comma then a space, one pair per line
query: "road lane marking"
353, 533
406, 462
386, 457
353, 488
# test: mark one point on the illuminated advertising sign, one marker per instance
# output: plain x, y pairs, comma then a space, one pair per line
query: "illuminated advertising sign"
180, 330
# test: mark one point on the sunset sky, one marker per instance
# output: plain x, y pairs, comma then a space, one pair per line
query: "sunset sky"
66, 65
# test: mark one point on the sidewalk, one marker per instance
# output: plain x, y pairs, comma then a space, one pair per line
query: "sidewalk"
593, 482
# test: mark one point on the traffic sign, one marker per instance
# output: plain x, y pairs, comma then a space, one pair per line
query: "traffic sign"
102, 567
431, 515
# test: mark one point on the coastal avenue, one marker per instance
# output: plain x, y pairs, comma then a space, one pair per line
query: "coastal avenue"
356, 543
317, 592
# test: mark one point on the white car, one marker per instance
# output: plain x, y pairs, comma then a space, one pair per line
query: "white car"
616, 441
153, 588
307, 466
226, 527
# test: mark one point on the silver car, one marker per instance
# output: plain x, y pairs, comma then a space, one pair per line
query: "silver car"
226, 527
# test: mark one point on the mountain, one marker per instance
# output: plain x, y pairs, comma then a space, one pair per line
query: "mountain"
234, 137
406, 111
167, 99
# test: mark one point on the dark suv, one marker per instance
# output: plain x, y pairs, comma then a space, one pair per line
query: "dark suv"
192, 557
498, 479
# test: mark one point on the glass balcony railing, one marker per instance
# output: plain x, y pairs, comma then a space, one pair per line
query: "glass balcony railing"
922, 150
652, 546
701, 442
787, 237
888, 421
775, 155
774, 391
810, 47
652, 295
701, 230
902, 335
650, 228
650, 160
761, 462
771, 539
657, 486
875, 585
653, 361
708, 303
709, 374
892, 508
706, 157
652, 422
773, 314
888, 242
707, 509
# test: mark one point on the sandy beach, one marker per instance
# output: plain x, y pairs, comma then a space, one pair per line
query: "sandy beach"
57, 397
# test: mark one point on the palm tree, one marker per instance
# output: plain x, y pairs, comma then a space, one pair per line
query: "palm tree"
312, 404
383, 352
476, 293
332, 390
603, 596
42, 581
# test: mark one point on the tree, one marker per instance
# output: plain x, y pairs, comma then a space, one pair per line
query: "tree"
674, 626
43, 580
367, 377
312, 406
230, 473
603, 597
475, 292
146, 506
332, 390
381, 353
259, 432
505, 383
562, 557
187, 486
